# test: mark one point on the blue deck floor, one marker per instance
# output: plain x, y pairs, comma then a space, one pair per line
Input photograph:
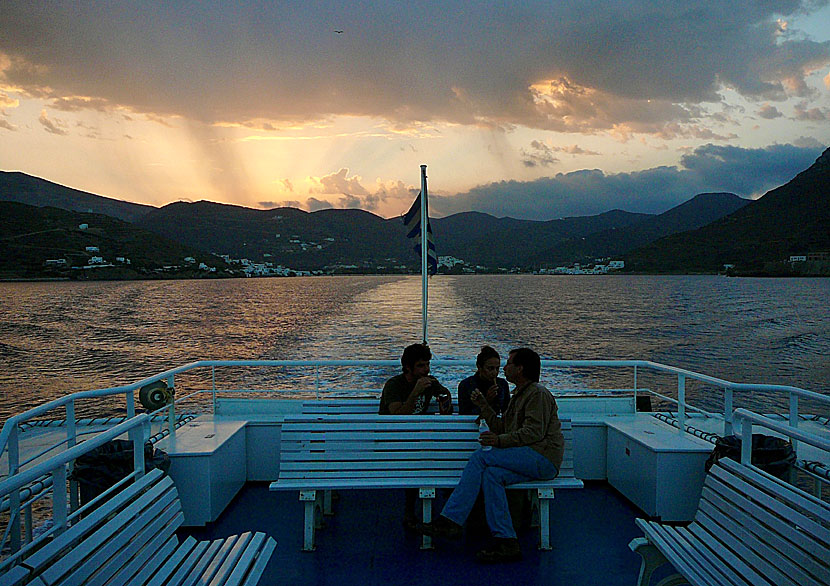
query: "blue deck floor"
364, 543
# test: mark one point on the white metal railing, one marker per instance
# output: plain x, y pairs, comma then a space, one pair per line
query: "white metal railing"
748, 419
9, 433
17, 470
55, 468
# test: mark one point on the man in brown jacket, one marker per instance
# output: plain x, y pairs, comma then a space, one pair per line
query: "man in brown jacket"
527, 445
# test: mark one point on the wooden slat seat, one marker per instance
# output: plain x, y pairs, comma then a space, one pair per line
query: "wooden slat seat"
324, 453
750, 528
130, 539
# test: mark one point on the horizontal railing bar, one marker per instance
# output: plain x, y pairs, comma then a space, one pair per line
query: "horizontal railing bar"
23, 417
23, 478
787, 430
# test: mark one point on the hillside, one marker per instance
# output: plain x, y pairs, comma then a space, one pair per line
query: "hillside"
758, 238
30, 236
38, 192
699, 211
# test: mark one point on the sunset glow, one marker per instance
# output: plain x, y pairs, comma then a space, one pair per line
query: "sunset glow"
270, 108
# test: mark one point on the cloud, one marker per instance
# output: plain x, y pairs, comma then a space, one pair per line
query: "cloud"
709, 168
576, 66
7, 125
77, 104
313, 204
338, 183
804, 112
267, 205
7, 102
288, 185
53, 127
769, 112
539, 154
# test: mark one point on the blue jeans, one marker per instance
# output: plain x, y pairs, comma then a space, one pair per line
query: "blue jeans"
491, 471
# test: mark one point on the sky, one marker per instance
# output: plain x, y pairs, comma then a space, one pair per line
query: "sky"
534, 110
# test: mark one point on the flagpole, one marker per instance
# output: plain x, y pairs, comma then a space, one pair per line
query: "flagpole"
424, 250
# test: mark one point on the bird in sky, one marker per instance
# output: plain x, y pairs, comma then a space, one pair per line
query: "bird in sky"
338, 32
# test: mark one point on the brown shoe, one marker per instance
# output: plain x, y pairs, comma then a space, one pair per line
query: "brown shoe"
441, 527
503, 550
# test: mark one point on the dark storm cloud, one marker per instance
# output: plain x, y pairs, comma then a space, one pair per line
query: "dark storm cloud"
640, 63
710, 168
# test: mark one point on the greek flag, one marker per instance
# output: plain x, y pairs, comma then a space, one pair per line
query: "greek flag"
412, 221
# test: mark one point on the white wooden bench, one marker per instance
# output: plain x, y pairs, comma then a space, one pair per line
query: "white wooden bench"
750, 528
130, 539
319, 454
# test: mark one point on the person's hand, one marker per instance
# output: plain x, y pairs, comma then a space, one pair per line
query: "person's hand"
492, 393
488, 438
478, 399
423, 384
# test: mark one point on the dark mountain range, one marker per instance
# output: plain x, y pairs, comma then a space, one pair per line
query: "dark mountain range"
29, 236
481, 239
699, 211
15, 186
363, 241
789, 220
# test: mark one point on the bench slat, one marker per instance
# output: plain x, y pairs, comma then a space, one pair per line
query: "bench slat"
772, 528
771, 545
787, 525
701, 555
186, 563
675, 554
248, 567
798, 499
104, 531
750, 528
99, 567
78, 531
143, 558
714, 529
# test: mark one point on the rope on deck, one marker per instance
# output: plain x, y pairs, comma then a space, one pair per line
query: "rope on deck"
817, 468
704, 435
112, 420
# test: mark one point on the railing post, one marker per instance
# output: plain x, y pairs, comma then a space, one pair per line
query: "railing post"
681, 400
130, 404
171, 408
794, 417
71, 437
14, 496
317, 381
27, 523
137, 437
727, 411
746, 441
59, 515
635, 388
213, 385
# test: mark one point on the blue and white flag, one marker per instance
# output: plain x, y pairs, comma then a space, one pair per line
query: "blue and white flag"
412, 221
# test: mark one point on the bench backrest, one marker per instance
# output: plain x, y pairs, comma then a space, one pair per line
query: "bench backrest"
378, 447
116, 540
765, 525
362, 406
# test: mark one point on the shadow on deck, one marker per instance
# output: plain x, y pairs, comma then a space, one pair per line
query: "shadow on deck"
364, 543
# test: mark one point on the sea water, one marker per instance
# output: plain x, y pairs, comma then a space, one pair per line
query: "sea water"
60, 337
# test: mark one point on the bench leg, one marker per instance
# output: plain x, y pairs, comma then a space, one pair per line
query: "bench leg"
426, 494
309, 499
545, 496
327, 507
652, 559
